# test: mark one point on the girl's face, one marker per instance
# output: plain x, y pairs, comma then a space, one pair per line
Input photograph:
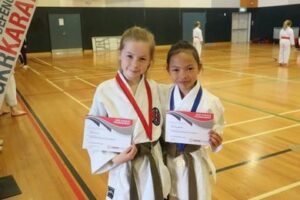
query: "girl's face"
135, 60
184, 71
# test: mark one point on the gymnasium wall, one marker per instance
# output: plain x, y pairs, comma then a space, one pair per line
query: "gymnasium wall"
265, 19
165, 23
165, 3
140, 3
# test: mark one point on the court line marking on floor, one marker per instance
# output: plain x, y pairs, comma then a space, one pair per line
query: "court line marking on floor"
66, 93
86, 82
61, 161
250, 120
42, 61
260, 118
68, 78
54, 85
93, 76
84, 100
228, 81
259, 110
49, 64
62, 78
249, 74
260, 134
276, 191
36, 72
253, 160
76, 100
289, 112
59, 69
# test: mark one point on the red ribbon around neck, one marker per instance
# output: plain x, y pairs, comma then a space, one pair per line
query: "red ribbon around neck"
147, 126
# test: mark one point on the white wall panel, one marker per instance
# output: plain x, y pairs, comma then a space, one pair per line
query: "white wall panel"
119, 3
127, 3
195, 3
225, 3
90, 3
178, 3
160, 3
294, 1
266, 3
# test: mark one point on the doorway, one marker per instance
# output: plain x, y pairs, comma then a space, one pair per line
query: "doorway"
188, 21
241, 25
65, 33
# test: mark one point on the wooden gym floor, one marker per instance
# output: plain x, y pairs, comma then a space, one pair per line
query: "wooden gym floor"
261, 153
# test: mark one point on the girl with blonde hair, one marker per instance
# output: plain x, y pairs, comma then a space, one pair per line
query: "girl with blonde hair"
139, 171
286, 40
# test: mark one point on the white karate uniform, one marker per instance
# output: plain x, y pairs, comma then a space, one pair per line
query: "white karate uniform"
287, 39
202, 161
111, 101
197, 40
10, 97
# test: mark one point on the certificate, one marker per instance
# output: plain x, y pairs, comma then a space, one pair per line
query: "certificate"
188, 127
107, 134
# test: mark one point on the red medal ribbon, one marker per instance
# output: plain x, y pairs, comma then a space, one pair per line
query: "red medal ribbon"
147, 126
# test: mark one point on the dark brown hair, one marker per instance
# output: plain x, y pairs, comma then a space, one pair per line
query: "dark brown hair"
197, 23
186, 47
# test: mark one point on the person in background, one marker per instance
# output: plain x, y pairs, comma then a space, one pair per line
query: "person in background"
198, 38
286, 41
10, 99
23, 55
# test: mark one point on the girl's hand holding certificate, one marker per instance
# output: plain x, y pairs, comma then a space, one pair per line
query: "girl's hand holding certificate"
126, 155
215, 139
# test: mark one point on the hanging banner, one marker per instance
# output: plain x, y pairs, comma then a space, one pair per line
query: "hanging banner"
15, 18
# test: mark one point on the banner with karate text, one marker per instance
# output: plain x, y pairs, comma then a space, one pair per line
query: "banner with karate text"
15, 18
